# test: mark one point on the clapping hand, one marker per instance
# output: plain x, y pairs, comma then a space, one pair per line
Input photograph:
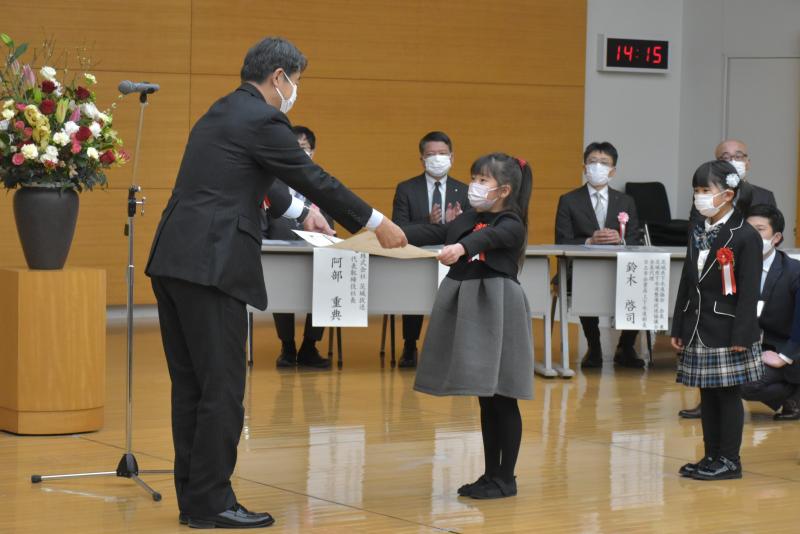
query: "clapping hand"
436, 214
606, 236
452, 211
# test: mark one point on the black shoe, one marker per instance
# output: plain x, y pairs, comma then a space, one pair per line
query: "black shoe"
627, 357
309, 357
495, 488
409, 358
593, 358
466, 489
236, 517
183, 519
789, 412
719, 469
287, 357
688, 470
691, 413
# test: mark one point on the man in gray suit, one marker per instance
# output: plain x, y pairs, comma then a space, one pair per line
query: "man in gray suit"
588, 216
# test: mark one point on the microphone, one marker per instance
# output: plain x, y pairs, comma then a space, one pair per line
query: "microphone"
127, 87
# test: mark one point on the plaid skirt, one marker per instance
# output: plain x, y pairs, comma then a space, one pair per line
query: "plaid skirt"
707, 367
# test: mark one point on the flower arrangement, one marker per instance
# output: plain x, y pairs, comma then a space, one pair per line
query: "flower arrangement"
622, 219
52, 133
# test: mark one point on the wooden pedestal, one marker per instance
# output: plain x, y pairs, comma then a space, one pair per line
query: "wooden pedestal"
52, 350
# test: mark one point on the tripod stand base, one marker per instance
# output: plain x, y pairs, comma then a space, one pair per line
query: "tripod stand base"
128, 467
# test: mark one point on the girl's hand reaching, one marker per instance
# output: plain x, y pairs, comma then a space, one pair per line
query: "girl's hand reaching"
450, 254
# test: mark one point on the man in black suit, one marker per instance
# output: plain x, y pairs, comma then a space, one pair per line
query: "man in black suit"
779, 318
433, 197
281, 228
205, 266
736, 153
588, 216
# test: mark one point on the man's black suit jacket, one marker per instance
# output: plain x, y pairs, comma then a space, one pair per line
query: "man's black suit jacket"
411, 199
209, 231
576, 220
780, 318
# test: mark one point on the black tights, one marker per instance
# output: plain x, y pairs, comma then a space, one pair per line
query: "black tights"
501, 426
723, 419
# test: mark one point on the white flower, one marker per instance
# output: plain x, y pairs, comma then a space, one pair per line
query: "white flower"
30, 151
8, 114
103, 117
90, 110
61, 138
48, 73
70, 127
95, 128
59, 89
72, 105
92, 153
732, 180
90, 78
51, 151
8, 103
49, 158
4, 125
13, 149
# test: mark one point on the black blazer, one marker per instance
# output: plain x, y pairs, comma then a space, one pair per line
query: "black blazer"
780, 288
576, 220
503, 241
209, 231
760, 196
411, 199
791, 348
702, 311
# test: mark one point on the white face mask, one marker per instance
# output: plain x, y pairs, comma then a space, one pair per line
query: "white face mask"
597, 174
704, 203
287, 103
438, 165
477, 196
740, 167
767, 247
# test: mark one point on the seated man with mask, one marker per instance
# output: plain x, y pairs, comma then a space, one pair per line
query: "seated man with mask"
779, 318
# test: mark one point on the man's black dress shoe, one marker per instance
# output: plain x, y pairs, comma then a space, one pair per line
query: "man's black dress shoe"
409, 358
789, 412
236, 517
687, 470
309, 356
627, 357
720, 469
691, 413
593, 358
183, 519
287, 357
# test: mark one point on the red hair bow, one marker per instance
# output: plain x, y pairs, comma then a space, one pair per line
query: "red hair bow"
521, 162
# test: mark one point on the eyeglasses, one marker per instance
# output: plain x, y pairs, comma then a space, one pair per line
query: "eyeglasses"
738, 156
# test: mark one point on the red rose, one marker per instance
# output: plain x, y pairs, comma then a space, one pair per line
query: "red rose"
76, 147
27, 133
108, 157
83, 133
81, 93
48, 87
19, 125
18, 159
48, 107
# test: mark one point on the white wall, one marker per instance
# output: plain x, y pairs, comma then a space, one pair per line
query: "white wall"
666, 125
636, 112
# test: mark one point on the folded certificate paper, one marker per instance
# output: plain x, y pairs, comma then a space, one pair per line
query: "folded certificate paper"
367, 242
317, 239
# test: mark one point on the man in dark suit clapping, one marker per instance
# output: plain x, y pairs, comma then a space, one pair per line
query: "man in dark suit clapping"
205, 266
589, 216
432, 197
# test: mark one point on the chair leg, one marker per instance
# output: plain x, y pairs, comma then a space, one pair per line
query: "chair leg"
391, 339
383, 339
250, 339
650, 346
339, 346
553, 312
330, 342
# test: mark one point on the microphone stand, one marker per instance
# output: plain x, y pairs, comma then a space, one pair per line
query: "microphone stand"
128, 467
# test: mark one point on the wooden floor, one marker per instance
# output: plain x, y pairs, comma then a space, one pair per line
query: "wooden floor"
358, 451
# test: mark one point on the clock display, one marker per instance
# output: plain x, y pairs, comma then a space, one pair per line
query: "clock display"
635, 54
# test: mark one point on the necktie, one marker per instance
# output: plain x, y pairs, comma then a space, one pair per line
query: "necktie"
437, 197
600, 210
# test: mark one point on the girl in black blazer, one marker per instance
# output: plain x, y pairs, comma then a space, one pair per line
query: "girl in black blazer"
715, 325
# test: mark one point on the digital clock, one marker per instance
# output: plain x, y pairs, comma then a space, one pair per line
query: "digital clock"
632, 55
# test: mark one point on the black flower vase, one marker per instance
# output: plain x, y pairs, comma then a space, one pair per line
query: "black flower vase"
45, 220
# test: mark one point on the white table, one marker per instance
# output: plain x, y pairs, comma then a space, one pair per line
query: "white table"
594, 281
396, 286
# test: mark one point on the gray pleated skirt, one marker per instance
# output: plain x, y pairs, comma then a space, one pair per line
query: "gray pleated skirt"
479, 341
